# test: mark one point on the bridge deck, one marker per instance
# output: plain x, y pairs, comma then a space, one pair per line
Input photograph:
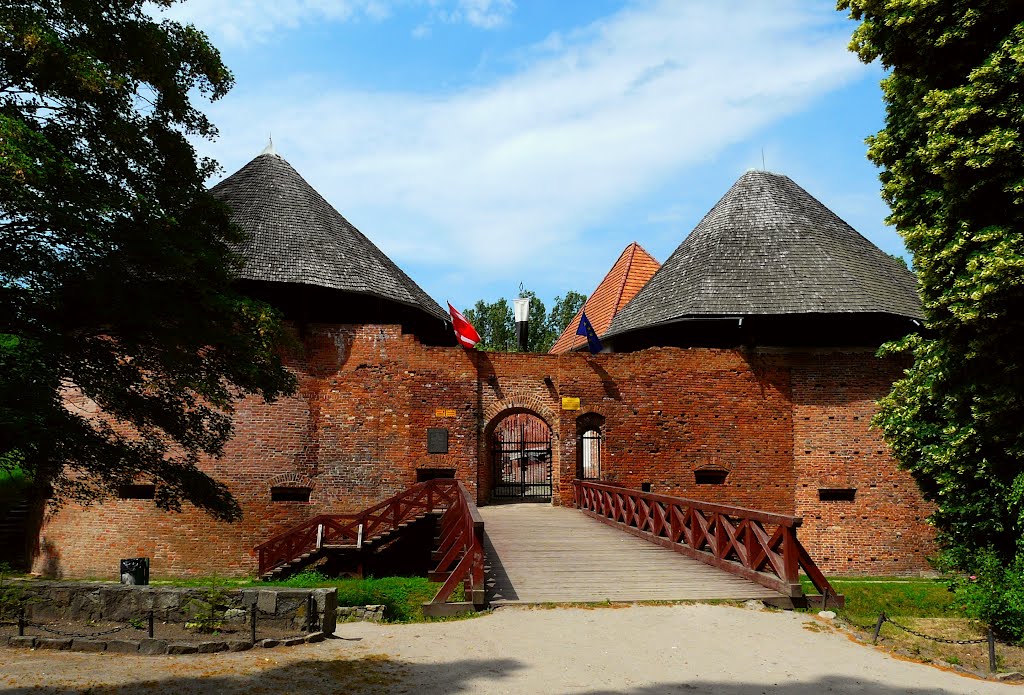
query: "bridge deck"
537, 553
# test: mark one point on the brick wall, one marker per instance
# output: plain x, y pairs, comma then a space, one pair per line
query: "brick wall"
356, 433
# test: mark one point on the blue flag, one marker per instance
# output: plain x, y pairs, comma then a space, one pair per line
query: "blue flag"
593, 342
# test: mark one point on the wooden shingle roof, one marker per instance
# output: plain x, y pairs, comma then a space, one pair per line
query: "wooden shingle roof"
629, 274
770, 248
296, 236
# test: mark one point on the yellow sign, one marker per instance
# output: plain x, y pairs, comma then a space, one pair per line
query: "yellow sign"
444, 412
570, 403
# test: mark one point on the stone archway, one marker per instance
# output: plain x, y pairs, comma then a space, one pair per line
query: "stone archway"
510, 410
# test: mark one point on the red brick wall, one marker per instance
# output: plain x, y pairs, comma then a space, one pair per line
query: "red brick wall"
882, 530
356, 434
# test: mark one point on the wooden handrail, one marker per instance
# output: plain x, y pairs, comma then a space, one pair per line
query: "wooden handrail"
344, 529
460, 556
756, 545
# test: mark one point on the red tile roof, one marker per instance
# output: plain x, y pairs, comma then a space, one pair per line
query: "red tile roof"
629, 274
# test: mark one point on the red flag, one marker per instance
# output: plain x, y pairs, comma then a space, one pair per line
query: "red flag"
464, 330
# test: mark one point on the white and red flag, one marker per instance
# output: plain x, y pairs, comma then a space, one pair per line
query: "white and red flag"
464, 331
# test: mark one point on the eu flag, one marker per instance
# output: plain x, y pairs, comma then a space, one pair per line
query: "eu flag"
593, 342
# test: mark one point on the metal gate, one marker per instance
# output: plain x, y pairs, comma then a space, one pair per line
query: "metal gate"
522, 458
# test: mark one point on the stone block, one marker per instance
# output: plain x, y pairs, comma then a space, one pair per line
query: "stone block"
268, 643
266, 601
23, 642
152, 646
53, 643
123, 646
293, 641
181, 648
314, 637
88, 645
235, 615
211, 647
327, 604
239, 645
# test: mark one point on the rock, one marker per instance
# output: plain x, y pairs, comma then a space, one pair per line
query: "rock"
754, 605
1012, 677
181, 648
211, 647
23, 642
827, 615
267, 643
88, 645
293, 641
266, 601
313, 637
123, 646
153, 646
235, 615
239, 646
53, 643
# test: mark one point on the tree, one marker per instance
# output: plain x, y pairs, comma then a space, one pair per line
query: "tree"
115, 262
496, 324
952, 153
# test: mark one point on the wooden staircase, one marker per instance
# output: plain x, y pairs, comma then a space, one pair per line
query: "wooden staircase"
372, 528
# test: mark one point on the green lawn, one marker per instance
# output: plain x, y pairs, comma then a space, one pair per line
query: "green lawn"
914, 597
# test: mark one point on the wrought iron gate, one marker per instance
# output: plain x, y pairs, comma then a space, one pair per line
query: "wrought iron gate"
522, 458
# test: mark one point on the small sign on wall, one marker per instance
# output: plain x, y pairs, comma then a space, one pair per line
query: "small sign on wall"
444, 412
570, 403
437, 440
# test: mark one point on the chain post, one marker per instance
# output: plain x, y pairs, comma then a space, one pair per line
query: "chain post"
151, 624
991, 651
252, 623
878, 627
21, 621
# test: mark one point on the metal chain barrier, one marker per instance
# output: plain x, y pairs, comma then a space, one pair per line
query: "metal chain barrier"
934, 639
52, 631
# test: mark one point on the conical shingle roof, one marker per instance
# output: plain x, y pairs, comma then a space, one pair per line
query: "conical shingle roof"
770, 248
296, 236
630, 273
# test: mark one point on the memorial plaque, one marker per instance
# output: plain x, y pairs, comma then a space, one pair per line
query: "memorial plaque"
570, 403
437, 440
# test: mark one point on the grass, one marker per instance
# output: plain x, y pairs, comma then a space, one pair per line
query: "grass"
402, 597
925, 605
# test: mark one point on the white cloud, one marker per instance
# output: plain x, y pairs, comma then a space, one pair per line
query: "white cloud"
241, 22
596, 118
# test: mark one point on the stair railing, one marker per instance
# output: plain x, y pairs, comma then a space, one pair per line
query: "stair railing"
336, 530
460, 553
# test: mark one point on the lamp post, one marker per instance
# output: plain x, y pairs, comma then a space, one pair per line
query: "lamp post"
521, 310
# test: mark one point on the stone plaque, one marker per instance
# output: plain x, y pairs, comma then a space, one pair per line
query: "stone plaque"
437, 440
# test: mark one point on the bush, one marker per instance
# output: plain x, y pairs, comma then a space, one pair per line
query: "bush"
993, 594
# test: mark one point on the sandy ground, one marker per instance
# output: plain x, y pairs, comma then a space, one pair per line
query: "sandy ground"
639, 650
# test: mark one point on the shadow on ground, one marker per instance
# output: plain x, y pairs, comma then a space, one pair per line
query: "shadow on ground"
381, 674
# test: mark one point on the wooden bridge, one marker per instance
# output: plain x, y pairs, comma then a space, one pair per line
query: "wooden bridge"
531, 553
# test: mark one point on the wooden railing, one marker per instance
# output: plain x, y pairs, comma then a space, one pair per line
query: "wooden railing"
759, 546
460, 554
336, 530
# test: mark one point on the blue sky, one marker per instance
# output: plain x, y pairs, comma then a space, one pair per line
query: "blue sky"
487, 143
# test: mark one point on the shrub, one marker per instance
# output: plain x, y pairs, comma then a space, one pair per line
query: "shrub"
993, 594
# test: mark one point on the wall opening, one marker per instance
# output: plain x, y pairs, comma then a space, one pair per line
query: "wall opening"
289, 494
521, 448
589, 446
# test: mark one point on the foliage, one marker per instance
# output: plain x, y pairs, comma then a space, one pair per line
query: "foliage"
115, 262
208, 613
402, 597
953, 157
994, 594
12, 596
496, 325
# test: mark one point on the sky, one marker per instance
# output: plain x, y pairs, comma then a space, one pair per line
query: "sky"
484, 144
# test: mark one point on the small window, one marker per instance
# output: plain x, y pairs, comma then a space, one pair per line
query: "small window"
137, 492
710, 476
289, 494
425, 474
645, 487
837, 494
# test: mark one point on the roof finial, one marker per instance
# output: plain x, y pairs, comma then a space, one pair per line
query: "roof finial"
269, 149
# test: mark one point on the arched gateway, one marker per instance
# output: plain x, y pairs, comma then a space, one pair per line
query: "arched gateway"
521, 458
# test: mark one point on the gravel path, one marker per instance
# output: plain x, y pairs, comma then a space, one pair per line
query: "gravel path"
639, 650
